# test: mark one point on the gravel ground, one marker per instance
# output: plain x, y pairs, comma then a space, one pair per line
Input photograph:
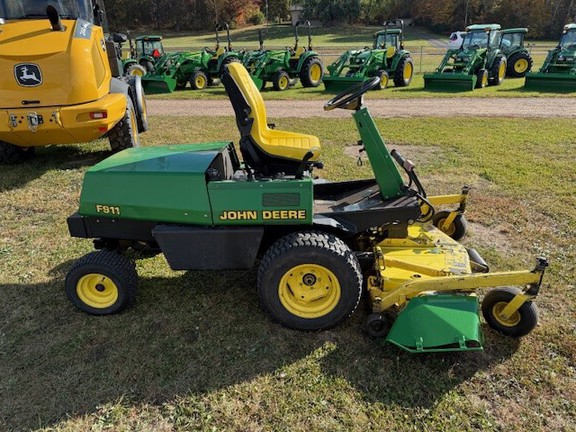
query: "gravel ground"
425, 107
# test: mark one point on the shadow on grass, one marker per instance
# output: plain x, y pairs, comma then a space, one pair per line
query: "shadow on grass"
189, 334
47, 159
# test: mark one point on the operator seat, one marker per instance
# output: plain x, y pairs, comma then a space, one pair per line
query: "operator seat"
267, 151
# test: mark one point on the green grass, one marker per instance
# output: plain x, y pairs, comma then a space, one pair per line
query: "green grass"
196, 352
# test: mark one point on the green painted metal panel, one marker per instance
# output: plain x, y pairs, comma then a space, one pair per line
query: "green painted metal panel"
434, 323
272, 202
559, 82
454, 82
387, 175
152, 183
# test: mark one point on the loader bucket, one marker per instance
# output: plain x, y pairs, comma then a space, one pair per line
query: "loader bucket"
436, 323
552, 82
449, 82
155, 84
339, 84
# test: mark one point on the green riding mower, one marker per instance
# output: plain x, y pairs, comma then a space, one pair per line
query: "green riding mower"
387, 59
519, 60
317, 243
284, 67
477, 63
558, 73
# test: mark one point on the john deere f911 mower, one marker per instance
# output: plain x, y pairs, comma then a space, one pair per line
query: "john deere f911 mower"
317, 243
477, 63
558, 73
387, 59
61, 79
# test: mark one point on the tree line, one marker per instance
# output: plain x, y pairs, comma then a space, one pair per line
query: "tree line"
544, 18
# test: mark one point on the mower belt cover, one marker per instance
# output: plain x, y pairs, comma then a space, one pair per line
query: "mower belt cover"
435, 323
449, 82
158, 84
338, 84
540, 81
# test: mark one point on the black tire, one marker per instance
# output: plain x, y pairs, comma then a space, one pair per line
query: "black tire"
312, 72
102, 283
384, 80
125, 133
497, 71
11, 154
198, 80
148, 65
456, 230
404, 72
522, 322
376, 325
325, 271
281, 81
519, 65
482, 76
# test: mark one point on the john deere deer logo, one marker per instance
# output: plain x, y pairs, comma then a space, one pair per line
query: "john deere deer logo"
28, 74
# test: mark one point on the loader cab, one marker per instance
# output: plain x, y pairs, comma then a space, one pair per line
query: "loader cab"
149, 46
36, 9
568, 39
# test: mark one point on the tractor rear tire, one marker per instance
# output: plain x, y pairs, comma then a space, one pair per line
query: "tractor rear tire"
404, 72
11, 154
281, 81
102, 283
482, 76
309, 281
198, 80
312, 72
519, 65
522, 322
498, 71
125, 133
384, 80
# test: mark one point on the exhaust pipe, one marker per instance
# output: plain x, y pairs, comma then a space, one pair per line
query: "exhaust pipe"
54, 18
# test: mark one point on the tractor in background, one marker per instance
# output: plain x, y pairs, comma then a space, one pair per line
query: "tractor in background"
558, 73
477, 63
284, 67
519, 60
63, 81
387, 59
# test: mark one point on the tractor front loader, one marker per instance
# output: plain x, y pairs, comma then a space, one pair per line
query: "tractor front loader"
477, 63
558, 73
62, 80
387, 59
316, 244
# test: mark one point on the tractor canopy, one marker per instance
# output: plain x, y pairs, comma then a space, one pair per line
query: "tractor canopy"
146, 46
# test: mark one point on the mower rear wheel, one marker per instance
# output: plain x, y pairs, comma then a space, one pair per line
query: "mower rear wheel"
519, 65
125, 133
281, 81
404, 72
520, 323
482, 76
309, 281
198, 80
102, 283
312, 72
11, 154
384, 79
456, 230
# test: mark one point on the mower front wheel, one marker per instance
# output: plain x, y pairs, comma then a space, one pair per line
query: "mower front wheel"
309, 281
102, 283
456, 230
520, 323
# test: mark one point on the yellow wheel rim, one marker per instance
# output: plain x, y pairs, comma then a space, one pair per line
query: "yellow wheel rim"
449, 230
407, 71
484, 80
315, 72
134, 128
383, 81
502, 71
97, 290
309, 291
200, 82
521, 66
512, 320
283, 83
137, 72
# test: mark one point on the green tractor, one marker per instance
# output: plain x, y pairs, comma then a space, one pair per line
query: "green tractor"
143, 54
558, 73
477, 63
316, 244
284, 67
387, 59
517, 55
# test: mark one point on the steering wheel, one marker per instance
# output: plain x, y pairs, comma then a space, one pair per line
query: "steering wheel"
343, 99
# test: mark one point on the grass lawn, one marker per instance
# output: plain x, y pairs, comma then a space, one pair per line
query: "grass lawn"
196, 353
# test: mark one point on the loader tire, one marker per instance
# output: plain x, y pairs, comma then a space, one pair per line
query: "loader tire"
384, 80
519, 65
13, 155
404, 72
309, 281
482, 78
198, 80
281, 81
312, 72
102, 283
125, 133
498, 71
519, 324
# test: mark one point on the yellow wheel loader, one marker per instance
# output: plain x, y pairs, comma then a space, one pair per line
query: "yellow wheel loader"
61, 82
